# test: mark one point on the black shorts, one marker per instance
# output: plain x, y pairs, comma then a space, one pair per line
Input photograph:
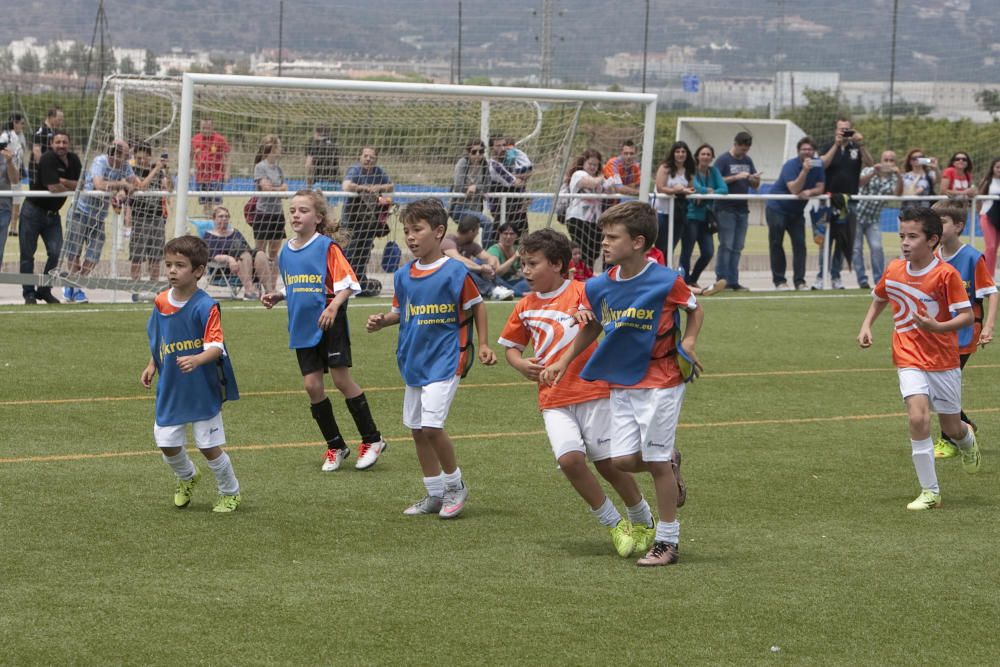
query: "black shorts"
269, 227
332, 351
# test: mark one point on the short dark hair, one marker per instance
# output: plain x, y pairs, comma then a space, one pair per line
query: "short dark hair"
61, 133
467, 223
189, 246
638, 218
629, 143
952, 209
505, 226
429, 210
805, 140
930, 221
553, 245
53, 112
743, 139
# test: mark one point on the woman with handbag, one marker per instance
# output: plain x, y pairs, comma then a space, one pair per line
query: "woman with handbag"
989, 215
269, 219
701, 221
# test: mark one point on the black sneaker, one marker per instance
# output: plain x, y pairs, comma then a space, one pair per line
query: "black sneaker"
736, 287
864, 285
28, 300
48, 297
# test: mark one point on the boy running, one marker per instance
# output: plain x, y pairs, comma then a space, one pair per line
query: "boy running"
978, 282
924, 292
434, 295
577, 414
196, 376
637, 302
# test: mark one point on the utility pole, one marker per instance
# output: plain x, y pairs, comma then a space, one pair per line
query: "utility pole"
645, 47
281, 33
97, 41
892, 72
547, 10
458, 56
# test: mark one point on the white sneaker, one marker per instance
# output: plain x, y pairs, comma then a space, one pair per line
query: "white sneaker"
454, 502
783, 287
818, 285
368, 454
837, 284
426, 505
501, 293
334, 458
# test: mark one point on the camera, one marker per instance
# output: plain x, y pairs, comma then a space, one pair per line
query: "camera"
164, 155
816, 162
924, 161
3, 145
848, 133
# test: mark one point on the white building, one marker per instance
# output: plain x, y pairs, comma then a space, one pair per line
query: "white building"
674, 62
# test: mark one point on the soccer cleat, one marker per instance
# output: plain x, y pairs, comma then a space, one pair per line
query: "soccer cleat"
334, 458
426, 505
927, 500
662, 553
944, 449
682, 489
369, 452
971, 457
185, 489
79, 296
227, 504
644, 536
68, 294
621, 537
453, 502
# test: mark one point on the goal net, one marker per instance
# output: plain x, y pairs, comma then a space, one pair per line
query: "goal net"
208, 140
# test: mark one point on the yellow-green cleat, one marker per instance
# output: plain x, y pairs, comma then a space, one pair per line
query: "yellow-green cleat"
185, 489
944, 449
971, 458
621, 537
644, 537
927, 500
227, 503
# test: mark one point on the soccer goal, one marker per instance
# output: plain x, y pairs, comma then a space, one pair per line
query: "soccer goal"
212, 129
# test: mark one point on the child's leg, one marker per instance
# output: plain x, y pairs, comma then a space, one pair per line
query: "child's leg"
210, 436
172, 440
963, 359
357, 404
918, 412
322, 410
444, 452
628, 490
179, 461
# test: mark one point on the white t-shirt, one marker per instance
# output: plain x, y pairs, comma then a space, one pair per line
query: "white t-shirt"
994, 190
663, 200
582, 208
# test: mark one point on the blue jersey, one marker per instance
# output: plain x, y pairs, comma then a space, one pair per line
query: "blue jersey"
629, 312
304, 273
978, 284
182, 398
431, 321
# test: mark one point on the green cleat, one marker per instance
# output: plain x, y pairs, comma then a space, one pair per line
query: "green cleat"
944, 449
185, 489
971, 458
227, 504
644, 537
621, 537
927, 500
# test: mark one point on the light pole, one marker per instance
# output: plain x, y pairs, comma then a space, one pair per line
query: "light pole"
645, 47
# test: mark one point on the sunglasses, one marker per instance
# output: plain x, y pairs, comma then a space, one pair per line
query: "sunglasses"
478, 151
961, 159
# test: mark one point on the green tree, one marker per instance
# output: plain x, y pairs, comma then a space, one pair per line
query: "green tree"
819, 116
217, 64
242, 66
6, 60
55, 60
989, 101
29, 63
126, 66
76, 58
150, 67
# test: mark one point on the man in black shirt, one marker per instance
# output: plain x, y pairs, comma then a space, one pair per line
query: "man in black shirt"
842, 161
322, 161
58, 170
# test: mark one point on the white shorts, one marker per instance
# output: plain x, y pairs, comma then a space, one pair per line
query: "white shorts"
943, 388
644, 421
581, 427
207, 434
427, 407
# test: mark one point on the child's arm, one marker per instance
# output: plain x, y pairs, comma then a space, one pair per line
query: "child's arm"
193, 361
874, 310
588, 334
487, 356
695, 318
379, 321
329, 313
986, 335
148, 373
529, 368
962, 319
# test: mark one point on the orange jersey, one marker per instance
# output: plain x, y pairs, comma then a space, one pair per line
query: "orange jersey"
663, 370
213, 327
936, 289
469, 298
546, 321
339, 274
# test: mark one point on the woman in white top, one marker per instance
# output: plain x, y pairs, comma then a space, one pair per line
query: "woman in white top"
920, 177
582, 213
989, 215
673, 177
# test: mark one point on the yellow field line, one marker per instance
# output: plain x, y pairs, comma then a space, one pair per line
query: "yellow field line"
54, 458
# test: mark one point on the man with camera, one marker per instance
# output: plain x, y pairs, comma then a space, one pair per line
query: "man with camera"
842, 161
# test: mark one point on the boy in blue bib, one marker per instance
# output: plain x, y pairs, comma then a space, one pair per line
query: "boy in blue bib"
435, 305
635, 303
196, 376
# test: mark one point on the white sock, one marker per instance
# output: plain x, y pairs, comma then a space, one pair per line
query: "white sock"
452, 480
607, 514
923, 461
434, 486
225, 478
640, 514
181, 464
966, 442
671, 532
